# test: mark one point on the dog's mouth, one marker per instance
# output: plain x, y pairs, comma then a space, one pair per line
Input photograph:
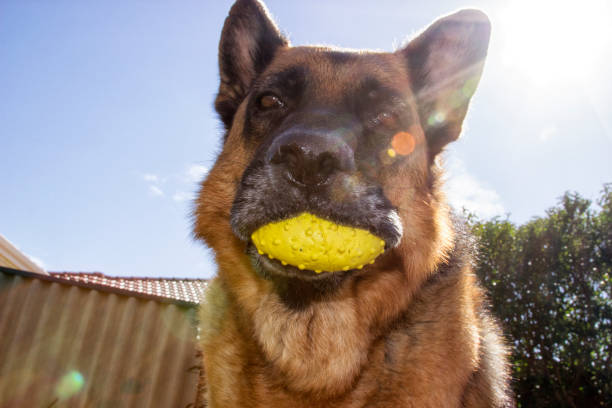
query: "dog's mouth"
267, 266
313, 248
311, 243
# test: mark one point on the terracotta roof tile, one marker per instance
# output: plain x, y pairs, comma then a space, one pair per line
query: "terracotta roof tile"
185, 290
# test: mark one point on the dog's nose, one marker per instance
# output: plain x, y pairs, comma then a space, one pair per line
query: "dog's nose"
310, 159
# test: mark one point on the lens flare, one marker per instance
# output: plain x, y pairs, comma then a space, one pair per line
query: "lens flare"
70, 384
436, 118
403, 143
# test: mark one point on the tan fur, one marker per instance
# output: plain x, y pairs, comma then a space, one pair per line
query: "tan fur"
397, 334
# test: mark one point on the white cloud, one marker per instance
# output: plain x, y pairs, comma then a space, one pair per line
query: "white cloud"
156, 191
196, 172
193, 173
152, 178
154, 183
465, 191
181, 196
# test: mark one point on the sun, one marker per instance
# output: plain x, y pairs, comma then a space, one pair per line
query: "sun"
551, 41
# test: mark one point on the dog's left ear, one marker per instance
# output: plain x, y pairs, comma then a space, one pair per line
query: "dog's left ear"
445, 64
248, 43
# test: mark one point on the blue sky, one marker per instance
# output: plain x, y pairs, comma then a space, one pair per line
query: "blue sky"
106, 119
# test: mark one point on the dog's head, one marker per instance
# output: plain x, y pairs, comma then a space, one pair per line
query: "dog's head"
349, 136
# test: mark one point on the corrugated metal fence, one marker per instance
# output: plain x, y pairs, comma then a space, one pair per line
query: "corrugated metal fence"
63, 345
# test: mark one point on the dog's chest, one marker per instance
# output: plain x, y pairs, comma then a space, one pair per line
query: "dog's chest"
409, 366
401, 370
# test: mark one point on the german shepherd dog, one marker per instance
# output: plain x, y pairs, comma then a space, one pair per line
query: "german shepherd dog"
353, 137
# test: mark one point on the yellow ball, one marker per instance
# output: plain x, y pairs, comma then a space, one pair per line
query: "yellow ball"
309, 242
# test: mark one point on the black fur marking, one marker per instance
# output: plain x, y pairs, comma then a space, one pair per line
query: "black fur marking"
371, 98
268, 40
389, 351
371, 91
297, 293
226, 109
288, 85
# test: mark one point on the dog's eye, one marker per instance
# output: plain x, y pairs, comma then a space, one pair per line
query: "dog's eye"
386, 119
270, 102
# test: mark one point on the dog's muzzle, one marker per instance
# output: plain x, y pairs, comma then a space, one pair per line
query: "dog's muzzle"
315, 171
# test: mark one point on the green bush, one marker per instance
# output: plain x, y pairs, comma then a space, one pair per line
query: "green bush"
549, 283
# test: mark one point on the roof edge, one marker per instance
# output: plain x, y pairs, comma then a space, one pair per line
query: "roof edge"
94, 286
16, 258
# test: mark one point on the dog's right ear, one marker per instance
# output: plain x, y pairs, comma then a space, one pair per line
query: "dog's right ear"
446, 63
249, 41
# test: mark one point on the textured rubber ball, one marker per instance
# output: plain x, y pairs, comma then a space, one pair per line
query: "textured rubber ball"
309, 242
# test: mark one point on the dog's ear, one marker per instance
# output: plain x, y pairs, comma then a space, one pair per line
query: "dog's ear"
445, 64
249, 41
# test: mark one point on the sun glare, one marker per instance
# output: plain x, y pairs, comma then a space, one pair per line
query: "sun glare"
551, 41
